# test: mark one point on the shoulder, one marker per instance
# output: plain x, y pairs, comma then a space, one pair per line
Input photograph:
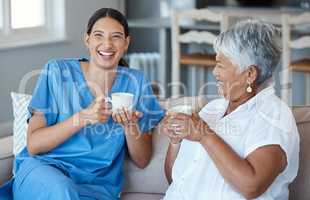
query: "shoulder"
216, 105
132, 73
274, 112
60, 66
213, 110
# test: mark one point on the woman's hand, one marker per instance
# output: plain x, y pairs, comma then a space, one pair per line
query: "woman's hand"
167, 127
126, 117
98, 111
190, 127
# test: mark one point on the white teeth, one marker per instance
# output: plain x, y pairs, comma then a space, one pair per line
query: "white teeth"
103, 53
219, 83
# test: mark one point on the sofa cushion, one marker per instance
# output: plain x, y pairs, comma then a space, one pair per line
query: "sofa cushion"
152, 178
20, 103
6, 158
141, 196
299, 189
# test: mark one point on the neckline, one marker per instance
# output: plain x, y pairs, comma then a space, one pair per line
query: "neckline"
87, 88
250, 102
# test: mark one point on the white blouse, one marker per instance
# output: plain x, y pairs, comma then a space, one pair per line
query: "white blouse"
262, 120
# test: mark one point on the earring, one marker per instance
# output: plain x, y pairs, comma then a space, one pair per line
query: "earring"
249, 88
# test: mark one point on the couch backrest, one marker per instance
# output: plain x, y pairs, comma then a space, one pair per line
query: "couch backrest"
300, 188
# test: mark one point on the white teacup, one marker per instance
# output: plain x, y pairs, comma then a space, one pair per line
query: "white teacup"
121, 100
185, 109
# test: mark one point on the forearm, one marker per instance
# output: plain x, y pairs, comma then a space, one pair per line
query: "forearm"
171, 156
45, 139
139, 145
235, 170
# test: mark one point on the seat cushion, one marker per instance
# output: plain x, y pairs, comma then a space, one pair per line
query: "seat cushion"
299, 189
152, 178
6, 158
141, 196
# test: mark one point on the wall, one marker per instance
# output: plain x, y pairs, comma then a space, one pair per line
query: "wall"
16, 62
143, 39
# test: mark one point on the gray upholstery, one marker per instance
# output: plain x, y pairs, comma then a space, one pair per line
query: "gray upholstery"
6, 158
141, 196
150, 183
152, 178
300, 188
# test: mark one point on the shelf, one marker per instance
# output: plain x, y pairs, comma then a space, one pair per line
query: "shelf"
198, 59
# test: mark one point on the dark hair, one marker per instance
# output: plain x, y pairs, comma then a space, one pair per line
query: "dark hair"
114, 14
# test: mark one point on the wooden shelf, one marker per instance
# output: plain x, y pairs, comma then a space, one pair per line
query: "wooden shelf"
198, 59
301, 65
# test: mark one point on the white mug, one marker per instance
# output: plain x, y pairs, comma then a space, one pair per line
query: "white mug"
185, 109
121, 100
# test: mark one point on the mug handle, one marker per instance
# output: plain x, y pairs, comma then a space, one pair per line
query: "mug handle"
109, 100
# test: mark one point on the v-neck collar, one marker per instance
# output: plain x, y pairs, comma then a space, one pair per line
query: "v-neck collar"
86, 86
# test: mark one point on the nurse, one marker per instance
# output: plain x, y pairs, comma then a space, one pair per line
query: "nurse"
75, 144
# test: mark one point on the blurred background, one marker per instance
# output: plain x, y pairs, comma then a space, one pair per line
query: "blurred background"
34, 31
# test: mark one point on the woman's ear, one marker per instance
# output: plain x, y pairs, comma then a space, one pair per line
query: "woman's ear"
86, 40
252, 73
128, 39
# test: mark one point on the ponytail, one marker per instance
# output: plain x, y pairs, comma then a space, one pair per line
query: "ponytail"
122, 62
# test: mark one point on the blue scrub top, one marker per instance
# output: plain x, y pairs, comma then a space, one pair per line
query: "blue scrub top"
95, 154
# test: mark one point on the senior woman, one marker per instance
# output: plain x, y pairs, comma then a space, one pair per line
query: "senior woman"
244, 145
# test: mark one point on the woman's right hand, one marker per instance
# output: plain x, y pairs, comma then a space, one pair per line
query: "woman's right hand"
99, 111
166, 128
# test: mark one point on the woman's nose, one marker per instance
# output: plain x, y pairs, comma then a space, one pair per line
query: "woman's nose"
107, 41
215, 71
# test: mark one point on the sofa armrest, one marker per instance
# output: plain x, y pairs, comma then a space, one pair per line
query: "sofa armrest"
6, 158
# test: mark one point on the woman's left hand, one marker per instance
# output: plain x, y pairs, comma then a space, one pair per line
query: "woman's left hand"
190, 127
126, 116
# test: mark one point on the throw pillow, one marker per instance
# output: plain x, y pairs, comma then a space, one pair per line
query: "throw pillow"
20, 103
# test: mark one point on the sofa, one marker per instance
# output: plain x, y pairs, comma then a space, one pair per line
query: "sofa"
150, 183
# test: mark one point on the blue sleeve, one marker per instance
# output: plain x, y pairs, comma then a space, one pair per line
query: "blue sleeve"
44, 96
149, 106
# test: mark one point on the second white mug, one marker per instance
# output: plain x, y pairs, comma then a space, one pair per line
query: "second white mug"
121, 100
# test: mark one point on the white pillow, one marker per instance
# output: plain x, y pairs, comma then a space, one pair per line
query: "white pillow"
20, 103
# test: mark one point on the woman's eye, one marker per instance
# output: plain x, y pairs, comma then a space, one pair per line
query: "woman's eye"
97, 35
116, 36
220, 65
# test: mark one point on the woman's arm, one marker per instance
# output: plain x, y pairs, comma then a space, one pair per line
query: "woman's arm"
250, 176
173, 148
42, 138
171, 156
139, 145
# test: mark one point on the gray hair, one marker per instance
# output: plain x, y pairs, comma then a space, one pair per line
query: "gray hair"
252, 42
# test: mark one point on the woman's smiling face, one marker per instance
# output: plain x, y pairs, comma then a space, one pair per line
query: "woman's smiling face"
231, 83
107, 43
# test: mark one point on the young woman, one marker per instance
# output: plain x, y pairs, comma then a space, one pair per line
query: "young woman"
75, 143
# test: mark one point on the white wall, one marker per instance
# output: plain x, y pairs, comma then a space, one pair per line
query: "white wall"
16, 62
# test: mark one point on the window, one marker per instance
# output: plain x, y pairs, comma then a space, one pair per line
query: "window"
1, 16
26, 14
28, 22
